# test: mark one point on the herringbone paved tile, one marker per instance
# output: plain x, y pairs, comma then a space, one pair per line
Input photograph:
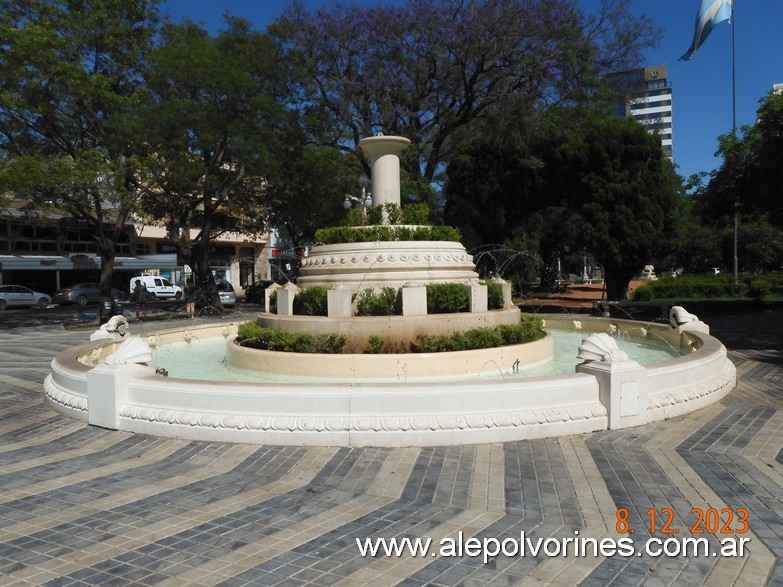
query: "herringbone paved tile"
85, 506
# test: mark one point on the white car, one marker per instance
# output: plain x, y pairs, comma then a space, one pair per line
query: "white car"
21, 296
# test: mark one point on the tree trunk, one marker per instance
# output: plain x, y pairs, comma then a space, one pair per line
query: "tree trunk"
200, 264
616, 280
107, 269
203, 272
106, 252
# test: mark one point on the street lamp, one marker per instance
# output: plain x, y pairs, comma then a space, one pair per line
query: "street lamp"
364, 201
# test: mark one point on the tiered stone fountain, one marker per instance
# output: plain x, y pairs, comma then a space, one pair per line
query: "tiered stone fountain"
390, 399
349, 268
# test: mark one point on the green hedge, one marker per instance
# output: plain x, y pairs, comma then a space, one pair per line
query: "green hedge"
690, 286
494, 295
251, 334
374, 345
383, 303
764, 284
311, 301
416, 213
447, 298
710, 286
528, 330
385, 233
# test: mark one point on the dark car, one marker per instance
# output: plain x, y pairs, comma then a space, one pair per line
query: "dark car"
83, 293
254, 293
21, 296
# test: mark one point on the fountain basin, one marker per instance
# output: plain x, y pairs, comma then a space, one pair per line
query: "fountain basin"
394, 367
415, 413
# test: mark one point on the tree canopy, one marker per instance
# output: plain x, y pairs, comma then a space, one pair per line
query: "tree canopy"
214, 126
70, 83
598, 183
430, 69
750, 179
105, 111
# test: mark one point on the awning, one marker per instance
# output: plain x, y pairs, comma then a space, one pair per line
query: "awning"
83, 261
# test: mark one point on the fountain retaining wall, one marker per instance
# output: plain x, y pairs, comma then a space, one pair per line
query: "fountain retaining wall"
133, 398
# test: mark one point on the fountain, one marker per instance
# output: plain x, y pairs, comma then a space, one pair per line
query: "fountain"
406, 399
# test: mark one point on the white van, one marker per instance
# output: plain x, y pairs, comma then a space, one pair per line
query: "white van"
158, 287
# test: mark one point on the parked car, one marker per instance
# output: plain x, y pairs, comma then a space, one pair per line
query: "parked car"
82, 293
157, 287
228, 296
254, 293
21, 296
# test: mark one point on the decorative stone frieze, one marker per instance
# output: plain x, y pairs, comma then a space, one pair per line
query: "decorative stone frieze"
386, 263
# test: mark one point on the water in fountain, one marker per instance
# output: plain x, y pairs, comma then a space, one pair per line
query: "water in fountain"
205, 359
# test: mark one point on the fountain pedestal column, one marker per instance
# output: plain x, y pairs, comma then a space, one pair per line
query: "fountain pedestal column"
384, 154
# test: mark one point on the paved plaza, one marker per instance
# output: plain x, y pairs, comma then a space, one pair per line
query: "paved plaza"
81, 505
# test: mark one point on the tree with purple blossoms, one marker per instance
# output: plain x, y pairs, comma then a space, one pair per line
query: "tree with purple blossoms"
433, 68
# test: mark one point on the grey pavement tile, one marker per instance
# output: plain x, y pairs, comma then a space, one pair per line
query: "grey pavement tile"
536, 485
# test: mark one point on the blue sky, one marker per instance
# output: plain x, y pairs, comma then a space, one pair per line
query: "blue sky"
702, 87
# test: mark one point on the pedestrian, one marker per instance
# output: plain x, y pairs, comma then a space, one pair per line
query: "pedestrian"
190, 300
140, 297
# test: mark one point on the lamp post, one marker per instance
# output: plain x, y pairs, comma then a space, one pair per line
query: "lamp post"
364, 201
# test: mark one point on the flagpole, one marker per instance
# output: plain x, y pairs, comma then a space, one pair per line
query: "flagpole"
734, 115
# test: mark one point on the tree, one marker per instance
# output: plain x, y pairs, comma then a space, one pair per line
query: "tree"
431, 69
213, 125
768, 147
600, 184
494, 185
307, 192
750, 179
613, 174
749, 184
70, 82
698, 239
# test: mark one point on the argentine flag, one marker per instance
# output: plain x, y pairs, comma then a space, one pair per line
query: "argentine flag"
711, 13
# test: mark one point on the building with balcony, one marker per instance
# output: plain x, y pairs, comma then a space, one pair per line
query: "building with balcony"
645, 95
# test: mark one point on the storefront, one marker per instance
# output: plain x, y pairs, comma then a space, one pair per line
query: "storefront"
50, 273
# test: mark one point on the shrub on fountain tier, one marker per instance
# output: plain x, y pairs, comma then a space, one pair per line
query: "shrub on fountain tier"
311, 301
383, 303
412, 214
385, 233
447, 298
251, 334
494, 295
528, 330
374, 345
